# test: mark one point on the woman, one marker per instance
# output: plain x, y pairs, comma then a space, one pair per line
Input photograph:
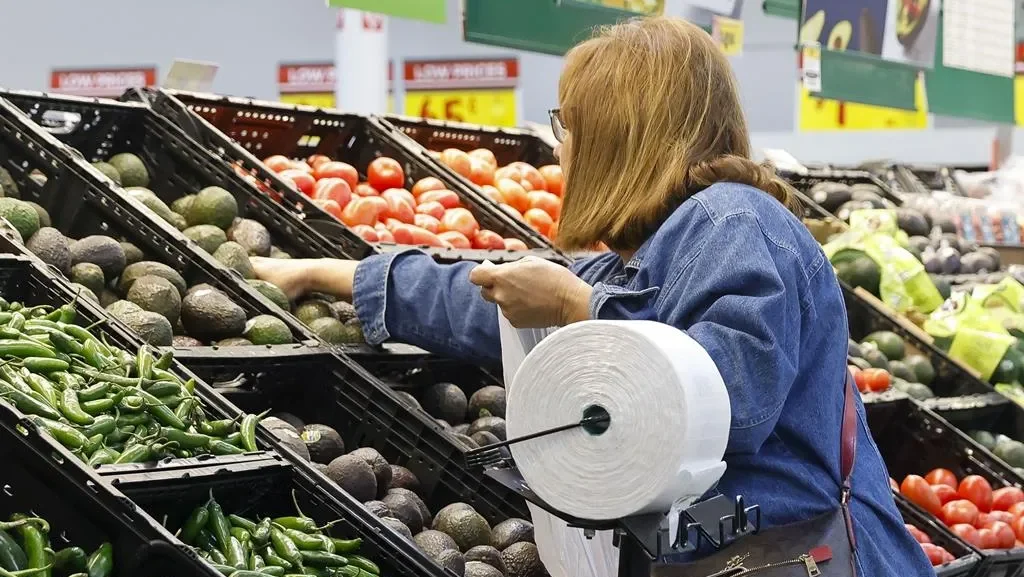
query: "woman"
656, 157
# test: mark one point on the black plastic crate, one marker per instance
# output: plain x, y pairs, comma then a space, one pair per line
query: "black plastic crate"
334, 391
993, 413
237, 129
967, 559
40, 477
805, 181
951, 379
412, 369
82, 202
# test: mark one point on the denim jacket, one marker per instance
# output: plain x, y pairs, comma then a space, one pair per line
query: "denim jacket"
745, 279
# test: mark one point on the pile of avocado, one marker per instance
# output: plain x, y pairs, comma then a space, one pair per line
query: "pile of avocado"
1009, 450
457, 537
911, 374
474, 422
210, 219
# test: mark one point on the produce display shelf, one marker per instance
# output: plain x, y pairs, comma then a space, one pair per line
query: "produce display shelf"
992, 413
805, 181
237, 129
81, 201
336, 392
269, 488
41, 477
967, 559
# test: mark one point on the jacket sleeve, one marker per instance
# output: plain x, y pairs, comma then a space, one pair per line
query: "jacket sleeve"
738, 296
408, 297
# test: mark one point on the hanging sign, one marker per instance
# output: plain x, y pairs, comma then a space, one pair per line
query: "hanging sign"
475, 91
817, 114
434, 11
312, 84
101, 82
642, 7
728, 33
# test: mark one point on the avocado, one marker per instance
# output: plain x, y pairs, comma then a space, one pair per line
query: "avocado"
397, 526
403, 478
1009, 368
278, 253
919, 391
83, 292
185, 341
234, 256
22, 217
206, 236
213, 205
210, 315
51, 246
420, 505
44, 217
9, 229
478, 569
109, 171
911, 222
453, 561
408, 400
405, 510
290, 439
1012, 452
490, 398
378, 508
283, 421
901, 370
924, 373
120, 308
156, 294
138, 270
460, 429
234, 342
354, 475
380, 466
323, 442
465, 440
99, 250
267, 330
983, 438
449, 509
343, 311
484, 438
445, 401
88, 275
108, 297
272, 292
523, 560
180, 205
875, 357
153, 328
511, 531
7, 185
466, 526
493, 425
334, 332
853, 348
860, 271
252, 235
312, 309
131, 168
177, 221
830, 195
132, 254
150, 200
327, 298
486, 554
433, 542
889, 343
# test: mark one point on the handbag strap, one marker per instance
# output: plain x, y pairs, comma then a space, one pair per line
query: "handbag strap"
848, 437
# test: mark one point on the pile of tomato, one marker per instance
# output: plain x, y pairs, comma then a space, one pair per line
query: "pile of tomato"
979, 515
871, 380
526, 192
381, 209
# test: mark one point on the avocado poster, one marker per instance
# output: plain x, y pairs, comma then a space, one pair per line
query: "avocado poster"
855, 25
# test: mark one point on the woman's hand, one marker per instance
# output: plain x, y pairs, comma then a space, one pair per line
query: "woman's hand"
534, 293
298, 276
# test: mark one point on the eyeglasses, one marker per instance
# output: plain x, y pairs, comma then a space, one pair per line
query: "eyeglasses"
557, 126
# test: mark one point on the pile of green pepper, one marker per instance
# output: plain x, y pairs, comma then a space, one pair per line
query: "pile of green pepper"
106, 405
280, 547
25, 552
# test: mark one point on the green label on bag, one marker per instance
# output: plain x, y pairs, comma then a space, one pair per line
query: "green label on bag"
875, 220
979, 349
904, 283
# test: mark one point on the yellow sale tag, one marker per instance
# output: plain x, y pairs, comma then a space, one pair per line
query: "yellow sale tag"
493, 107
824, 114
322, 100
1018, 99
728, 32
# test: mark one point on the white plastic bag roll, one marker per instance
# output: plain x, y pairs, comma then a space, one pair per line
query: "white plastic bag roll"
669, 419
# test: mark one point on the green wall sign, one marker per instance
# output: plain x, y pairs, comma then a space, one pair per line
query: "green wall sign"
425, 10
535, 25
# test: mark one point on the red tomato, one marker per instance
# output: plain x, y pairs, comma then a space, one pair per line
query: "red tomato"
945, 493
934, 553
967, 533
492, 193
277, 162
539, 220
432, 208
402, 233
1006, 497
336, 189
876, 380
513, 193
553, 181
457, 160
364, 189
328, 205
318, 159
526, 185
427, 222
424, 237
384, 235
399, 206
424, 184
1004, 535
334, 169
861, 381
982, 520
988, 539
510, 172
303, 166
360, 211
480, 172
515, 244
447, 198
303, 180
488, 239
547, 202
455, 239
993, 516
918, 535
460, 220
959, 511
402, 194
894, 485
915, 488
941, 477
1017, 509
976, 489
384, 173
368, 233
530, 174
485, 155
1018, 527
553, 231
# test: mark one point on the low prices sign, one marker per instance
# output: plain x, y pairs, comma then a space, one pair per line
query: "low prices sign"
100, 82
312, 84
476, 91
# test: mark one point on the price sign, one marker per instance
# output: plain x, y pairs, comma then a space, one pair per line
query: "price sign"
818, 114
101, 82
312, 84
728, 32
474, 91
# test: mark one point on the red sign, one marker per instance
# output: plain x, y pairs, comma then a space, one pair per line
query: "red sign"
373, 22
457, 74
110, 82
312, 77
